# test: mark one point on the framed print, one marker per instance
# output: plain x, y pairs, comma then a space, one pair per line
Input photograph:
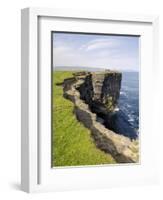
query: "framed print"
88, 100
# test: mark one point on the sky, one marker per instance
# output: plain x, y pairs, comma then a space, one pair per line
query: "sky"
99, 51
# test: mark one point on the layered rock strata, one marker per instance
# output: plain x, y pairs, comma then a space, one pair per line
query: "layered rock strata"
120, 147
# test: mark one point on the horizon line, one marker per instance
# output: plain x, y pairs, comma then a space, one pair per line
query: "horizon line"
90, 67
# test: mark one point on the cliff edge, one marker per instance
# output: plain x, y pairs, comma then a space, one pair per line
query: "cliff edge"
94, 95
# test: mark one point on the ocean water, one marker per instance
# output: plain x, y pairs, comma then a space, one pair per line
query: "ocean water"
129, 98
125, 121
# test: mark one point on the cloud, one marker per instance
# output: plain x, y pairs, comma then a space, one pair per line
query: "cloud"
97, 44
104, 52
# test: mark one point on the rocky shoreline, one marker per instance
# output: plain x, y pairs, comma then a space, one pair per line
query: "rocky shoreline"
99, 92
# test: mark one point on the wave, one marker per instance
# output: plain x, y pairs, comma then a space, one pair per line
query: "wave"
129, 99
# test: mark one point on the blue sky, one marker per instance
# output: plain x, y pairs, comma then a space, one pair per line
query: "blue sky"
88, 50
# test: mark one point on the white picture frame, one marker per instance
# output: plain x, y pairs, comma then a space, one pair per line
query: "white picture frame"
36, 171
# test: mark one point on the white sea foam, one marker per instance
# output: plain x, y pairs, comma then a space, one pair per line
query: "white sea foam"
116, 109
129, 106
131, 120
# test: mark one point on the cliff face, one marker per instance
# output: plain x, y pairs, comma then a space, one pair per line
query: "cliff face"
101, 90
83, 92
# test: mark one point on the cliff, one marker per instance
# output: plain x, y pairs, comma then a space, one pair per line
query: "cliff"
94, 95
100, 90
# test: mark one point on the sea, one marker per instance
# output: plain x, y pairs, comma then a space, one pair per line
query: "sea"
129, 97
129, 103
125, 120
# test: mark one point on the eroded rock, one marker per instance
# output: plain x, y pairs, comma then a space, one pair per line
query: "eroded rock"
100, 90
120, 147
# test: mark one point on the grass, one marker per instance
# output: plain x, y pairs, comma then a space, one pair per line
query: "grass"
72, 144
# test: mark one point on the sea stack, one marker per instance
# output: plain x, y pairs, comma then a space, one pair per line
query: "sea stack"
101, 90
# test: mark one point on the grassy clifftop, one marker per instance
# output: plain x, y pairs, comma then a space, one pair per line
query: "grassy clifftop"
72, 143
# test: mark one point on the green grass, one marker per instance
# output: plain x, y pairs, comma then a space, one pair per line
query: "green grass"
72, 144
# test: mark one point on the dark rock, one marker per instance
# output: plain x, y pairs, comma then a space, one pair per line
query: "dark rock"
101, 90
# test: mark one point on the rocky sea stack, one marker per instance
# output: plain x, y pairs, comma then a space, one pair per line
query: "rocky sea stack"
95, 96
100, 90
